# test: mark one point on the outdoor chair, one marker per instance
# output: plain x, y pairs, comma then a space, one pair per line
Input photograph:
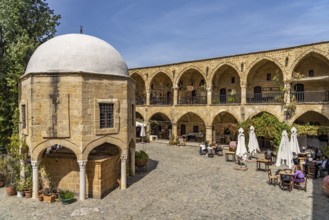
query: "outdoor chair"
272, 179
302, 185
286, 181
210, 152
311, 170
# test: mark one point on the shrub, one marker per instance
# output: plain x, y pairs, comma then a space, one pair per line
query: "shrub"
141, 155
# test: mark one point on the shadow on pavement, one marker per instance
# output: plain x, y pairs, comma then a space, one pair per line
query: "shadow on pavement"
142, 172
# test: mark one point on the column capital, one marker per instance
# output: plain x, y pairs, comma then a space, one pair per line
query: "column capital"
82, 163
208, 126
35, 164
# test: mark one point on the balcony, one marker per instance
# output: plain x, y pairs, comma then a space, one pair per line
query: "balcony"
161, 100
226, 99
310, 96
192, 100
140, 100
268, 98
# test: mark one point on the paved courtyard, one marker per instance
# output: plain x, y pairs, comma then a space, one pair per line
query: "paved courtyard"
181, 184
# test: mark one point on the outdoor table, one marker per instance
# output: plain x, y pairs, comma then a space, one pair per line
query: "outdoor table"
228, 154
264, 161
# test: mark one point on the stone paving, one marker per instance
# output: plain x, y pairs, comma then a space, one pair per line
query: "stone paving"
181, 184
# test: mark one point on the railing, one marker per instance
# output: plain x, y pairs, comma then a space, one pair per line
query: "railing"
226, 99
140, 100
310, 96
195, 100
161, 101
273, 97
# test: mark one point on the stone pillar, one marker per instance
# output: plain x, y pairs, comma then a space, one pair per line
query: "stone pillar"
148, 129
148, 96
243, 94
175, 95
209, 101
287, 94
82, 165
174, 130
209, 133
132, 162
35, 179
123, 183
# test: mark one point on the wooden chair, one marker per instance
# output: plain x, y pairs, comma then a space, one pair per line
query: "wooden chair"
302, 185
311, 170
272, 179
286, 181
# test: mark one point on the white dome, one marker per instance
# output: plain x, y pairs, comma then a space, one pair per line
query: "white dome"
77, 53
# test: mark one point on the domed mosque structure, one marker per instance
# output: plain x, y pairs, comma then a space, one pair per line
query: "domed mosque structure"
77, 108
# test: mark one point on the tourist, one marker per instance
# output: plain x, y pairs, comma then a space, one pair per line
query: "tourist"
323, 165
202, 148
298, 175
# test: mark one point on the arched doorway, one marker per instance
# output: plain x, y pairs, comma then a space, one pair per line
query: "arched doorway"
315, 121
194, 127
310, 79
192, 88
160, 126
263, 83
140, 94
161, 90
226, 86
225, 126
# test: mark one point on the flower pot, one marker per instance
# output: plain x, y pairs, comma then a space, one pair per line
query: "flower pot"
28, 194
67, 201
11, 191
40, 197
141, 163
20, 194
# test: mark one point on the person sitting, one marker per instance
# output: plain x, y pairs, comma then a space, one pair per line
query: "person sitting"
203, 149
299, 175
295, 160
323, 165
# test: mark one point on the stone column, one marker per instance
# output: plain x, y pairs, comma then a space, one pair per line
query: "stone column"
82, 165
174, 130
35, 178
175, 95
209, 133
243, 94
132, 162
148, 96
209, 101
123, 169
287, 95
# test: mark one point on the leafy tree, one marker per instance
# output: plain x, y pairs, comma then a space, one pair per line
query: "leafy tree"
24, 25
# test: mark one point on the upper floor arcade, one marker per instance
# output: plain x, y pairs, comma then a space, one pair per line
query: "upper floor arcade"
299, 74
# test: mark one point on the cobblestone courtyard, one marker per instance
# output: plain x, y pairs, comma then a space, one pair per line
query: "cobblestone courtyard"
180, 184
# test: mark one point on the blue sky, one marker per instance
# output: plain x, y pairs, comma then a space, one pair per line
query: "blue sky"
155, 32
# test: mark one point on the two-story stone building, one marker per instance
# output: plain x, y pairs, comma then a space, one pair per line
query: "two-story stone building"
205, 96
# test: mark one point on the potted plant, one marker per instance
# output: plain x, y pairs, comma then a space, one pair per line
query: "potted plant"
3, 172
28, 186
20, 188
141, 158
66, 196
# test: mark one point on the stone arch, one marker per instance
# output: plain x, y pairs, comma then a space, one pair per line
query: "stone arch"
181, 73
161, 89
194, 124
36, 152
314, 117
270, 59
161, 71
224, 127
232, 65
160, 125
140, 91
309, 52
225, 85
139, 116
260, 84
106, 139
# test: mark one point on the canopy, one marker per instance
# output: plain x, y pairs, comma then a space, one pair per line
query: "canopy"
284, 155
294, 141
253, 146
140, 124
241, 149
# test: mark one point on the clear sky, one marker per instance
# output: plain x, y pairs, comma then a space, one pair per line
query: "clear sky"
155, 32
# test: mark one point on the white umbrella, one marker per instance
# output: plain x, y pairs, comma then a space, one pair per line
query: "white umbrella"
284, 153
253, 143
241, 149
142, 134
294, 141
